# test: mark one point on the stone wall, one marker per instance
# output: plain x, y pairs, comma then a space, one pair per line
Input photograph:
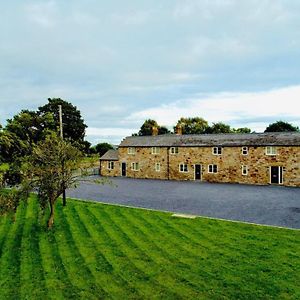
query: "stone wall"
104, 171
229, 164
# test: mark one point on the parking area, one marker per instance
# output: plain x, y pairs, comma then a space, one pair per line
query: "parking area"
269, 205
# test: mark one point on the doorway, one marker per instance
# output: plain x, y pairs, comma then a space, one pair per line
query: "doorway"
123, 169
276, 175
197, 172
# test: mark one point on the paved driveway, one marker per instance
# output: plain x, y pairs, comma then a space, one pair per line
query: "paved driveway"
271, 205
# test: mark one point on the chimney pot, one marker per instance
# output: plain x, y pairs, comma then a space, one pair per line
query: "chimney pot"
154, 131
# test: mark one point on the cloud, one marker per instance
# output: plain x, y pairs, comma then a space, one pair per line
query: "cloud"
230, 107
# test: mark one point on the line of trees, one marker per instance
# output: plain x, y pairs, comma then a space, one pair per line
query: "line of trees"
197, 125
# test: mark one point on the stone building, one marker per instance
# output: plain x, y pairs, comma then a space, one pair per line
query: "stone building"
256, 158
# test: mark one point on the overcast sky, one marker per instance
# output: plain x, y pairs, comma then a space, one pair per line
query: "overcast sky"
121, 62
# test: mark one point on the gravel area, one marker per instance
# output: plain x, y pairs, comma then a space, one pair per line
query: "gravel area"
269, 205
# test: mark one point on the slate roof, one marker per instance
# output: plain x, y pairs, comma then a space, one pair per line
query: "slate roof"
202, 140
110, 155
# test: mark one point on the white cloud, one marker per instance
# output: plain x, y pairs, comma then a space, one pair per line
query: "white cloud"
108, 132
43, 13
233, 108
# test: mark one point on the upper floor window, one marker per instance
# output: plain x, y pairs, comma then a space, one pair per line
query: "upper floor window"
183, 168
157, 167
135, 166
270, 150
131, 150
212, 169
155, 150
174, 150
110, 165
245, 150
244, 170
217, 150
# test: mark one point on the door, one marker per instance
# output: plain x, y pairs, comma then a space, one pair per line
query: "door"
123, 169
276, 175
197, 172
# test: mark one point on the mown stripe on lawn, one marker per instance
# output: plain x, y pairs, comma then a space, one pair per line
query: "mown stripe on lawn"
32, 272
161, 260
10, 260
6, 222
78, 270
139, 260
94, 260
122, 288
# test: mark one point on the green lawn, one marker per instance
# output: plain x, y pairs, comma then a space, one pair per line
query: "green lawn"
100, 251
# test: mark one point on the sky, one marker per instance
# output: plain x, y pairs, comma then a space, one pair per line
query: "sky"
121, 62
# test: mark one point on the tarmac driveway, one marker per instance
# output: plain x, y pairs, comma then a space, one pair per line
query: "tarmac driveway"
270, 205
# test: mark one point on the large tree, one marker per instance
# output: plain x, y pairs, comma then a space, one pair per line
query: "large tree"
193, 125
73, 123
50, 170
281, 126
146, 128
219, 128
102, 148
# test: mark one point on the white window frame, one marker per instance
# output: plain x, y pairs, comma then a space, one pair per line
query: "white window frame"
217, 150
174, 150
155, 150
271, 150
157, 167
131, 150
211, 168
245, 170
245, 150
183, 168
135, 166
110, 165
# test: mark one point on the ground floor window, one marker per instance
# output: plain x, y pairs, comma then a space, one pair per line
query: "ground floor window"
183, 168
212, 169
244, 170
135, 166
110, 165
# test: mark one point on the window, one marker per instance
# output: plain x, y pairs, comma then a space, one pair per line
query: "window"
270, 150
245, 150
131, 150
174, 150
157, 167
135, 166
110, 165
155, 150
244, 170
183, 168
217, 150
212, 169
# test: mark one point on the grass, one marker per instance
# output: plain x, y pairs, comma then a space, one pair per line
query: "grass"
100, 251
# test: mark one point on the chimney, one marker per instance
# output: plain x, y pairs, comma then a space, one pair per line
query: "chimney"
178, 129
154, 131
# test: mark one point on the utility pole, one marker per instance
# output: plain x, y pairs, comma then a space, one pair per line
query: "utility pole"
63, 165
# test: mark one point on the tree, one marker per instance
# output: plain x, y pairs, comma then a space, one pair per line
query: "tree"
73, 124
241, 130
219, 128
146, 128
102, 148
194, 125
281, 126
50, 170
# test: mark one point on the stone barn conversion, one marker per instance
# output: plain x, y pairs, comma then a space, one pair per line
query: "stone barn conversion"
256, 158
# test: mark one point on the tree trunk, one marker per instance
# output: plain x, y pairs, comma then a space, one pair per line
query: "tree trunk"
51, 217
